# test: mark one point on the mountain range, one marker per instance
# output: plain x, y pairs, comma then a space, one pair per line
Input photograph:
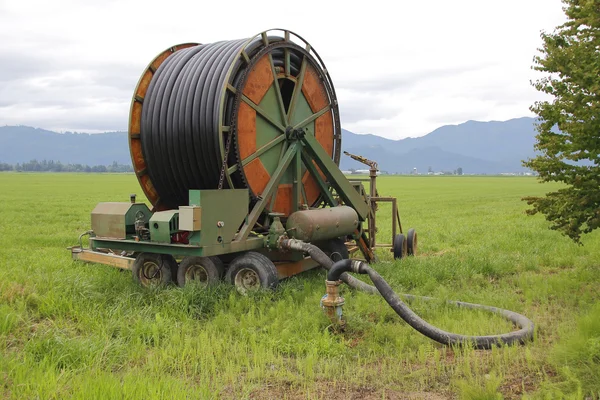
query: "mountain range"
475, 147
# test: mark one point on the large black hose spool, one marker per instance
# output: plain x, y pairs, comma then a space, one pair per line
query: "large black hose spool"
212, 116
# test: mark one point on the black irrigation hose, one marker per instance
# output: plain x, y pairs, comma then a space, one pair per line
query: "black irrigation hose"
180, 136
339, 269
180, 126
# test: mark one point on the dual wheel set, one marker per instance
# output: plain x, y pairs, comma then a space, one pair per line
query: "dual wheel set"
405, 245
249, 271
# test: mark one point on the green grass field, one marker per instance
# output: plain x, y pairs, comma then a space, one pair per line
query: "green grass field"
74, 330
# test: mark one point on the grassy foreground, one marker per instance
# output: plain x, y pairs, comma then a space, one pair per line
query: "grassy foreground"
73, 330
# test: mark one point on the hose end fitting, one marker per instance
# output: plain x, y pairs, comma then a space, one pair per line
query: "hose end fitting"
358, 267
332, 303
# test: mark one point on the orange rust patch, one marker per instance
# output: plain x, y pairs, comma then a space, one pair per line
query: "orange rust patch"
144, 83
324, 132
287, 269
311, 188
137, 157
135, 120
160, 59
259, 80
314, 90
148, 189
246, 130
257, 176
283, 201
167, 53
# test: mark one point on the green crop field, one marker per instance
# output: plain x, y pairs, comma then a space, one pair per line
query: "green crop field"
85, 331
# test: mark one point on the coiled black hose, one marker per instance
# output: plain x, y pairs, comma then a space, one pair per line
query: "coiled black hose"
339, 271
180, 127
180, 121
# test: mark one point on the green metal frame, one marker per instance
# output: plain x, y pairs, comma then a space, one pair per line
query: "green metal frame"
291, 132
181, 250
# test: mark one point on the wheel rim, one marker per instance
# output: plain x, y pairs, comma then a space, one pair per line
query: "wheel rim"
150, 274
247, 280
196, 273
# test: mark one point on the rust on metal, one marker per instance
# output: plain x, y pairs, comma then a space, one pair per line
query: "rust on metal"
283, 198
246, 130
332, 304
287, 269
101, 258
324, 132
314, 90
257, 175
135, 118
259, 80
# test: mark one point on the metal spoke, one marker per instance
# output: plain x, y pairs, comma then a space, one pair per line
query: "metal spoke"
297, 89
263, 113
263, 149
282, 112
297, 187
313, 117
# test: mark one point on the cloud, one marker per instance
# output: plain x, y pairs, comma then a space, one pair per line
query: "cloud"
72, 65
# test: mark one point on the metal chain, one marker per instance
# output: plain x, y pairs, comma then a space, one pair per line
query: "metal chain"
224, 166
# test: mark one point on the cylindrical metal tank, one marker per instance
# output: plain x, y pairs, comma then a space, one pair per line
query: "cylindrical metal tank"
210, 116
322, 223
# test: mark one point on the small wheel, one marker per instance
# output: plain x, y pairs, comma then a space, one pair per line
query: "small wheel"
200, 270
150, 269
411, 242
335, 249
252, 271
399, 246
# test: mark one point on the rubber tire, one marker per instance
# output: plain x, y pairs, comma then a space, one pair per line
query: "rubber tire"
173, 265
411, 242
137, 270
260, 264
400, 247
213, 272
333, 246
219, 264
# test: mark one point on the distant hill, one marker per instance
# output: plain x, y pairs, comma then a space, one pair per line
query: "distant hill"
476, 147
19, 144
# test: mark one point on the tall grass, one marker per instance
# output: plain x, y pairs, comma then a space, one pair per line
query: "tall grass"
74, 330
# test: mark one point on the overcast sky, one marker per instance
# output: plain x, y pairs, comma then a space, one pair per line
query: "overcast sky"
400, 68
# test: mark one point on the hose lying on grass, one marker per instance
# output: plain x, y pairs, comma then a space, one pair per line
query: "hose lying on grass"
339, 271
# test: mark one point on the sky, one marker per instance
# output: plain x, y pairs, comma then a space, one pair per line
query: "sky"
400, 68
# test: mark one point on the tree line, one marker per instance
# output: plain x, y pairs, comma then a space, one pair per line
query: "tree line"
57, 166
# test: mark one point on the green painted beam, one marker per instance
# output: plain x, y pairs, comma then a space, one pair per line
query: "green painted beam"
177, 250
267, 193
297, 185
335, 177
315, 173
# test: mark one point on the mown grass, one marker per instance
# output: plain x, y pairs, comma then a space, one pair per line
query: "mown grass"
73, 330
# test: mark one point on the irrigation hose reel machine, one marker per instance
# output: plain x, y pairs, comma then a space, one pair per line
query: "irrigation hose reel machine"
236, 145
